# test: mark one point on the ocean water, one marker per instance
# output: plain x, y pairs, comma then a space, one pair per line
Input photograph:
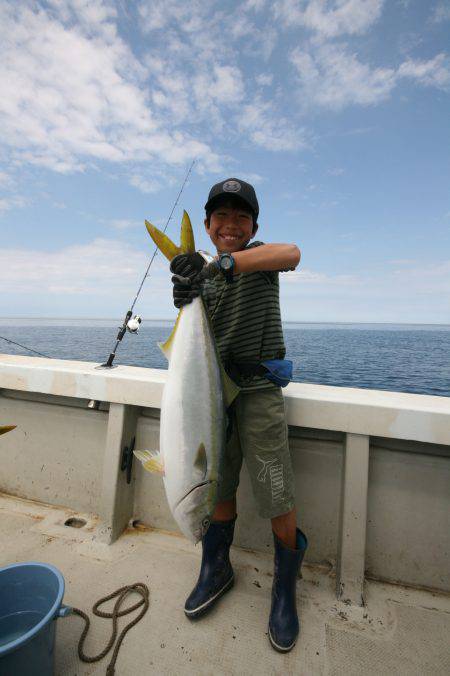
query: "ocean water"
396, 357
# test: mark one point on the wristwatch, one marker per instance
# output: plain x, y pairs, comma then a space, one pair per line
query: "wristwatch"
226, 264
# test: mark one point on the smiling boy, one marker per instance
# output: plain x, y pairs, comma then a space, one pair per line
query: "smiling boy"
241, 292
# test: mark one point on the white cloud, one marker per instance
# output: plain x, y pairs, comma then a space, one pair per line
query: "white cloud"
329, 18
255, 5
424, 278
310, 277
11, 202
251, 178
264, 128
332, 77
416, 291
78, 269
264, 79
123, 224
405, 277
145, 185
441, 12
6, 180
73, 93
434, 72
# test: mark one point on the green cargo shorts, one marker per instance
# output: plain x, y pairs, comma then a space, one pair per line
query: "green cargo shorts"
260, 435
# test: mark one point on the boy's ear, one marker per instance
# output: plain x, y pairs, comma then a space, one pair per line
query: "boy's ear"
255, 228
206, 223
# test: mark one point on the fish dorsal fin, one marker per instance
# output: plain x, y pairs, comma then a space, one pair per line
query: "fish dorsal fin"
151, 461
201, 461
7, 428
166, 347
187, 242
229, 387
164, 243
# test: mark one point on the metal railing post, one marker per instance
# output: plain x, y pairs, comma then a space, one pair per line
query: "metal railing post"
353, 519
116, 502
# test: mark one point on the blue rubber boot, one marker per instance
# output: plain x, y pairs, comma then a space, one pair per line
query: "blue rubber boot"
283, 622
216, 574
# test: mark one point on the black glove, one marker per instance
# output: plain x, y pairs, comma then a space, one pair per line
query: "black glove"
184, 291
187, 265
209, 271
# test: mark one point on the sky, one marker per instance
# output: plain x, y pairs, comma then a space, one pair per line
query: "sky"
337, 111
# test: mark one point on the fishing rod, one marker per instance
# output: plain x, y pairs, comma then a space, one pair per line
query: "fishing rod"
132, 325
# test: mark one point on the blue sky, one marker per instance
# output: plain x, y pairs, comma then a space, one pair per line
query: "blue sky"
336, 110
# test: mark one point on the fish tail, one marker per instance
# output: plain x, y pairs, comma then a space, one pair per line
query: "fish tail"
165, 244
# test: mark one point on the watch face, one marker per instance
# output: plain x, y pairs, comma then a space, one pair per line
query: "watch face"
226, 263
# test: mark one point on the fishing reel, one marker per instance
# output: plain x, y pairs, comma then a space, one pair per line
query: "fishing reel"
133, 324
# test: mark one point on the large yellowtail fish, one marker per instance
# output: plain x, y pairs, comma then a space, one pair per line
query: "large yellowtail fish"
193, 408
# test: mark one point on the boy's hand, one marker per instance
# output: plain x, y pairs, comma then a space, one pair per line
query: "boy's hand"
187, 265
184, 290
209, 271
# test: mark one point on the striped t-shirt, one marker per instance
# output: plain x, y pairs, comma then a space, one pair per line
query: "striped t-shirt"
246, 321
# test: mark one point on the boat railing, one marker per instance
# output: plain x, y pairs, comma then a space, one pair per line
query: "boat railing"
372, 467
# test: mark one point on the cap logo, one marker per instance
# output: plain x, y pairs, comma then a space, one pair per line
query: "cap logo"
231, 186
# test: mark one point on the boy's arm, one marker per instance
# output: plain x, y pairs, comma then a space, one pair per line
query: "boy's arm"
274, 257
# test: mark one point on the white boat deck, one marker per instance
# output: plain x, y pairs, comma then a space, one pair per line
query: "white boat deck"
399, 631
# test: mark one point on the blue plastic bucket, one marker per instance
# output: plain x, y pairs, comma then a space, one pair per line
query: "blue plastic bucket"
30, 601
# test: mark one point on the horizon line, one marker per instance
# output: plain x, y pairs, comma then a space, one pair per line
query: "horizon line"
283, 321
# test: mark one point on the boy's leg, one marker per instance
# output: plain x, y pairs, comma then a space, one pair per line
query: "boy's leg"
225, 510
264, 439
285, 528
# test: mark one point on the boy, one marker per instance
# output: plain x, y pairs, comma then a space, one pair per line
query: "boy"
241, 292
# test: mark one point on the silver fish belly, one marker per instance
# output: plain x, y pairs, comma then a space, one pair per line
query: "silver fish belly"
193, 422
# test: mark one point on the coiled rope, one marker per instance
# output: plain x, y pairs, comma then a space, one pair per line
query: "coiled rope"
138, 587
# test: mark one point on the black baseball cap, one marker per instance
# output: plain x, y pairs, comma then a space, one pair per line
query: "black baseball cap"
234, 186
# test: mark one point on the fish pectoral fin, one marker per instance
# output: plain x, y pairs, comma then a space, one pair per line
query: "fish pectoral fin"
164, 244
7, 428
201, 461
166, 348
151, 460
230, 389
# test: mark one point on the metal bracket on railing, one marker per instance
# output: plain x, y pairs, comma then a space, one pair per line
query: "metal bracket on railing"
127, 460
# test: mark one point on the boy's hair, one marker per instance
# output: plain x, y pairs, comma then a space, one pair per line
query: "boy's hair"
233, 201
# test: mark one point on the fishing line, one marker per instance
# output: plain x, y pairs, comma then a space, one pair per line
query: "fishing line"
134, 323
25, 347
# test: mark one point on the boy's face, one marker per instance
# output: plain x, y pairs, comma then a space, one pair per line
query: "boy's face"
230, 227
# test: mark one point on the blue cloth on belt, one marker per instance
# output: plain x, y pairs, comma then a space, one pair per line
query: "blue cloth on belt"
279, 371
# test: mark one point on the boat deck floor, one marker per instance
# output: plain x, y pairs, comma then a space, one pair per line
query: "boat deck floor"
399, 631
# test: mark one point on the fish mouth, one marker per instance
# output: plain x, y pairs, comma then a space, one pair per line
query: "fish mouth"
191, 490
